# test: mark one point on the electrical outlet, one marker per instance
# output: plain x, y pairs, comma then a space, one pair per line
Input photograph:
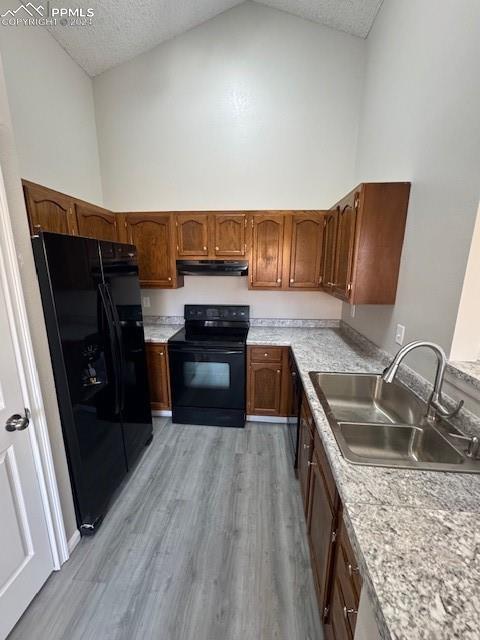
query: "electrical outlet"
353, 308
400, 334
146, 302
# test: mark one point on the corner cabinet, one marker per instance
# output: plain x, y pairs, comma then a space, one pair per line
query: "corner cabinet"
152, 234
363, 239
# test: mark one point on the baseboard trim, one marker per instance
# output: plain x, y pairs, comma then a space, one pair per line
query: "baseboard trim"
162, 413
73, 541
275, 419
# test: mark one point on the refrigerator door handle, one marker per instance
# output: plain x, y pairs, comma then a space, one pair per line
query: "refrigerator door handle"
113, 346
118, 335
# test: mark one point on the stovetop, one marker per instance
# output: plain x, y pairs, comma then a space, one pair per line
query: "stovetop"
208, 325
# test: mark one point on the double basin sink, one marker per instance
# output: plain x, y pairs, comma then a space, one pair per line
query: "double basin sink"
384, 424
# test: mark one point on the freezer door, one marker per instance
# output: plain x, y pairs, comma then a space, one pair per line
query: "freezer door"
120, 272
82, 350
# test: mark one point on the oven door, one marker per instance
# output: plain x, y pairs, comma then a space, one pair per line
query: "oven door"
206, 377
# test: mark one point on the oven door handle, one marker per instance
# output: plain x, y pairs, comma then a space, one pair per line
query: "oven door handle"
207, 351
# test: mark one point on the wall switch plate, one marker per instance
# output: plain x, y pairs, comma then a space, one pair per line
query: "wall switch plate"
146, 302
353, 308
400, 334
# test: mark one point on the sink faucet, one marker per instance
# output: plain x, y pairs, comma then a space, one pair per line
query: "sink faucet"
435, 404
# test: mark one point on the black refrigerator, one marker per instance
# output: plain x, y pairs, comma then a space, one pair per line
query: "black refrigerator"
91, 301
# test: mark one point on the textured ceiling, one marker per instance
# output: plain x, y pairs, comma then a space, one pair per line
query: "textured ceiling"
122, 29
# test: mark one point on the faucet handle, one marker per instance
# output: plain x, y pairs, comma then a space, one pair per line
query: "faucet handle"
444, 413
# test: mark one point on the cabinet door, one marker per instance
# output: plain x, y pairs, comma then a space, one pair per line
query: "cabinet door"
230, 235
157, 363
264, 390
338, 627
329, 245
152, 235
305, 452
266, 259
49, 210
344, 250
95, 222
192, 235
306, 251
321, 521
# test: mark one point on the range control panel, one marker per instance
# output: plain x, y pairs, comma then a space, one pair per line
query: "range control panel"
225, 312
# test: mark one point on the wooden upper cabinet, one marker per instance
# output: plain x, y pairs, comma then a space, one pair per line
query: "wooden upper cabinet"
306, 250
95, 222
49, 210
329, 244
192, 235
152, 234
266, 250
363, 241
229, 232
347, 214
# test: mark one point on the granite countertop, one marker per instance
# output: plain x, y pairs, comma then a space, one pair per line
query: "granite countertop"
468, 372
416, 534
159, 332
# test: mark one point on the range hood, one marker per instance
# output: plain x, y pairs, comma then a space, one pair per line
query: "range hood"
212, 267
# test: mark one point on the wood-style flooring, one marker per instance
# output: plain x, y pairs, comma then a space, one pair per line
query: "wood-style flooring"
206, 541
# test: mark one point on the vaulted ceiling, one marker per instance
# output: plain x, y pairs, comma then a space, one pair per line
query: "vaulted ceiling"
122, 29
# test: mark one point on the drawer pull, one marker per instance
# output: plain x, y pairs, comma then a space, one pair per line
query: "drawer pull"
306, 446
312, 464
279, 371
266, 355
348, 612
352, 570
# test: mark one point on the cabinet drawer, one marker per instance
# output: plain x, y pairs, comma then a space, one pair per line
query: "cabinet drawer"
325, 469
266, 354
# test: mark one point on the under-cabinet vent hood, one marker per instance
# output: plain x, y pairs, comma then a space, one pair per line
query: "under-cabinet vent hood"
212, 267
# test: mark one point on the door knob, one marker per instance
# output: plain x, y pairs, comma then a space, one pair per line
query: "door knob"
18, 422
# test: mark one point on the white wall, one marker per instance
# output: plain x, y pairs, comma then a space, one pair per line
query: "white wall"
231, 290
51, 102
253, 109
420, 122
466, 339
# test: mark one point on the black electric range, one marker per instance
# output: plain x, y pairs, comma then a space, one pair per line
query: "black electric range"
207, 360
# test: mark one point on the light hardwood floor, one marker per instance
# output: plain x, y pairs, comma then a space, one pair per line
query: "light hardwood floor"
205, 542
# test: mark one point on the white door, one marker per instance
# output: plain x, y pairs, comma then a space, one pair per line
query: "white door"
25, 554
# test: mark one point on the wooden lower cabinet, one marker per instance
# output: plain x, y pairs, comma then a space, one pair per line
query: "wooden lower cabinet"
338, 582
268, 381
157, 363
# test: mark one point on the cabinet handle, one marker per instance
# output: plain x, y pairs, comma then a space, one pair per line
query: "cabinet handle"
217, 248
279, 280
312, 464
292, 280
347, 612
266, 355
352, 570
278, 371
169, 279
204, 248
161, 353
306, 446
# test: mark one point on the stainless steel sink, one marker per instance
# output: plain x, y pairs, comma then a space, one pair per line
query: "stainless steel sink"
357, 397
382, 424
